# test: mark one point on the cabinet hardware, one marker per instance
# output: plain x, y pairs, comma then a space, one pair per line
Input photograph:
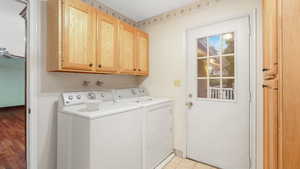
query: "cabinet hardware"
91, 65
265, 69
134, 69
99, 66
140, 70
267, 86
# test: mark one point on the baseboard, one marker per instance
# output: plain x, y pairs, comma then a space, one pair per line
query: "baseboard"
178, 153
12, 107
166, 161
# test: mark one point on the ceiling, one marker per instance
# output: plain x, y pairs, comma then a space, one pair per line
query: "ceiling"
142, 9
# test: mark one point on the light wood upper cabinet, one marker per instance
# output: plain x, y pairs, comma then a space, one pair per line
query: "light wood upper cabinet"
270, 36
127, 46
78, 36
83, 39
142, 53
107, 52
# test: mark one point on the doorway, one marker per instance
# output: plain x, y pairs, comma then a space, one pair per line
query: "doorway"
13, 84
219, 94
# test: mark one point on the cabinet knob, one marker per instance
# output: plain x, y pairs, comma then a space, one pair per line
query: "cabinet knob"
140, 69
99, 66
91, 65
134, 69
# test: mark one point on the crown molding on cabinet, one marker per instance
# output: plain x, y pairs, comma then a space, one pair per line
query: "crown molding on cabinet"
188, 9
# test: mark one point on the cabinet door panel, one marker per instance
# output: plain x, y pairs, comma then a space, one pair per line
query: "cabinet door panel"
290, 84
142, 53
127, 49
107, 31
270, 36
271, 125
78, 36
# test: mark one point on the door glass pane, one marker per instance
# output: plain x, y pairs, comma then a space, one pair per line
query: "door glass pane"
214, 83
202, 47
214, 67
216, 72
214, 43
202, 88
228, 83
228, 43
202, 67
214, 90
228, 66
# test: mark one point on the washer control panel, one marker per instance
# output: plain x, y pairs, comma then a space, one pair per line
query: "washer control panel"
73, 98
129, 93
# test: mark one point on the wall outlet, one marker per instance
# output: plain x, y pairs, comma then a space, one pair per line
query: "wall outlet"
177, 83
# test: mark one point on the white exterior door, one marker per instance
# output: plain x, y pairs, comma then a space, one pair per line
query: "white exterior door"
219, 94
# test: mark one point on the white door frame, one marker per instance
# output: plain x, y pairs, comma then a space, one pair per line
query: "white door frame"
32, 84
253, 82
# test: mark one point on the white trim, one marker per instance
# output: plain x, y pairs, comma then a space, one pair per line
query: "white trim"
32, 81
165, 162
254, 82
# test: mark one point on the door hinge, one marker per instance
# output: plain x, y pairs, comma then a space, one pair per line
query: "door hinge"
250, 96
29, 110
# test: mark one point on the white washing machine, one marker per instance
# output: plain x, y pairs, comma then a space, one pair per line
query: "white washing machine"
95, 132
158, 124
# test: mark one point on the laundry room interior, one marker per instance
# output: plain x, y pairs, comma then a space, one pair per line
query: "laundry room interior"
161, 84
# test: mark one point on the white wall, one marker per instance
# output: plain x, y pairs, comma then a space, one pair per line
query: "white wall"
50, 87
168, 59
12, 30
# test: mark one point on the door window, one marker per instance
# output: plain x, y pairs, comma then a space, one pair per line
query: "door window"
216, 67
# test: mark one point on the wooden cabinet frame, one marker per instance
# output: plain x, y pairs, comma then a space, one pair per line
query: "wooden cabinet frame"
100, 59
127, 63
66, 62
142, 57
92, 59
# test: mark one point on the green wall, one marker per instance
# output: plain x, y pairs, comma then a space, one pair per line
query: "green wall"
12, 82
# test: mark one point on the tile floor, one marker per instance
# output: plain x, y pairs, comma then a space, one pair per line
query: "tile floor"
179, 163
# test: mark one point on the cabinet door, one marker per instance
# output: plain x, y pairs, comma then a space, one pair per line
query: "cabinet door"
127, 49
142, 55
290, 84
107, 31
78, 36
271, 125
270, 36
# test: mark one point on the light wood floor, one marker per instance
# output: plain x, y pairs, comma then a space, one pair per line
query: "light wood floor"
179, 163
